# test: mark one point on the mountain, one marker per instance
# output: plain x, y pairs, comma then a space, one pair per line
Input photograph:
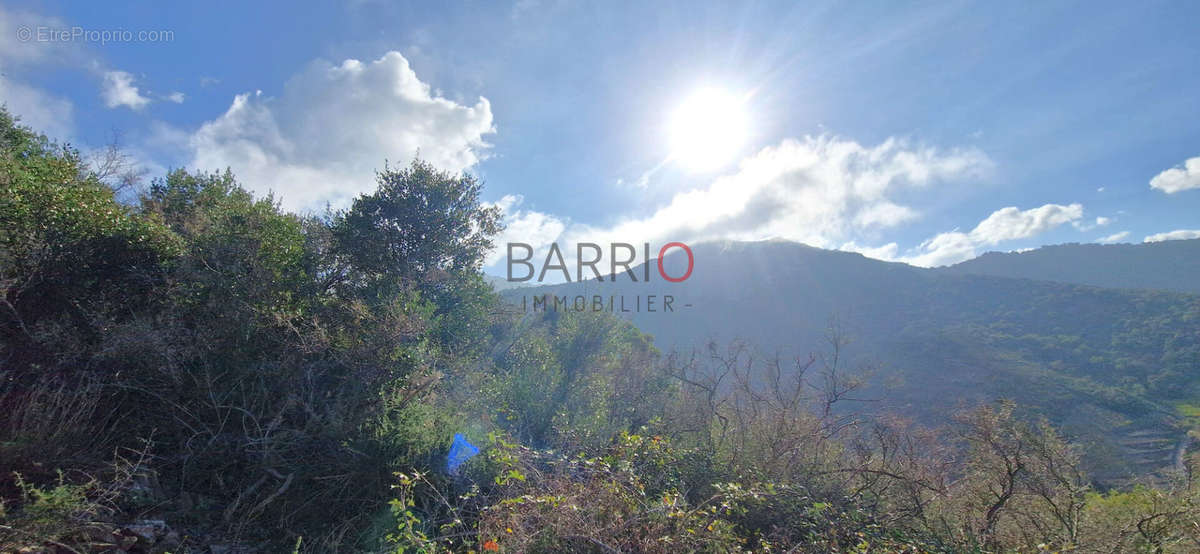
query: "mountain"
1167, 265
1111, 366
501, 283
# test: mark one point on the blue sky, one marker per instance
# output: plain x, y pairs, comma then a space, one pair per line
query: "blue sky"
922, 132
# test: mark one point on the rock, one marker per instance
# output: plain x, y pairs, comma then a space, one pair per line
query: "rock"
149, 530
124, 539
99, 533
145, 482
171, 540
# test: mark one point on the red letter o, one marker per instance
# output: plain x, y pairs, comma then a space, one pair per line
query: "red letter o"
691, 261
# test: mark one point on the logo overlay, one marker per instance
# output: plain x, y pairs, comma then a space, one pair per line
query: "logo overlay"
621, 264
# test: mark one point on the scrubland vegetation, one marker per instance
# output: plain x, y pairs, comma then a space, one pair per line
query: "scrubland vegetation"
193, 370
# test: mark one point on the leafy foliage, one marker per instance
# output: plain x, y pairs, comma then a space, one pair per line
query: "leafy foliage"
262, 379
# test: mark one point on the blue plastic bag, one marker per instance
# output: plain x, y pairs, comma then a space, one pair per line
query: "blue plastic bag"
460, 452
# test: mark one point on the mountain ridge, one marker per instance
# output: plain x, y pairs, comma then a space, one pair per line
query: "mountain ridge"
1167, 265
1104, 363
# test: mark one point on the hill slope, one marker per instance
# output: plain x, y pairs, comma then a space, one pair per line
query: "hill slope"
1169, 265
1107, 364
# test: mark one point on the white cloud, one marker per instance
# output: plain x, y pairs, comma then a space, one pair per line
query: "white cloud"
1010, 223
1115, 237
1002, 225
1179, 178
1088, 226
822, 191
38, 109
884, 214
19, 46
118, 90
885, 252
534, 228
642, 181
1181, 234
176, 97
323, 138
522, 7
943, 249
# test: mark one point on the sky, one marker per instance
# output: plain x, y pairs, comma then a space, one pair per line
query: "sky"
923, 132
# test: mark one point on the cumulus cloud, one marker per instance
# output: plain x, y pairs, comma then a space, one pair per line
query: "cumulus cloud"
943, 249
1089, 225
884, 214
176, 97
531, 227
43, 112
1180, 234
824, 191
1011, 223
332, 126
1113, 238
1179, 178
1002, 225
19, 45
818, 190
25, 48
887, 252
118, 90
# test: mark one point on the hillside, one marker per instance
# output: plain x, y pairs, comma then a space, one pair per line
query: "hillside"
1168, 265
201, 371
1106, 364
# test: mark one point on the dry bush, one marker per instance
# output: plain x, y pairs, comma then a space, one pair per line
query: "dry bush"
78, 510
52, 417
544, 502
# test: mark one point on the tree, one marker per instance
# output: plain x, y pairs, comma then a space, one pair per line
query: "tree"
1022, 485
72, 258
422, 231
419, 223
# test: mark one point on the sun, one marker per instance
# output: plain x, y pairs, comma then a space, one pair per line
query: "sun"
707, 130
